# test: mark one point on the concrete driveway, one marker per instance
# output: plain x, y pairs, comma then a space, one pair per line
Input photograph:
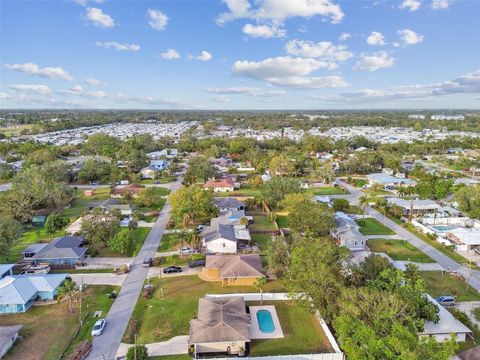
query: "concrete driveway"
467, 307
107, 262
99, 279
175, 346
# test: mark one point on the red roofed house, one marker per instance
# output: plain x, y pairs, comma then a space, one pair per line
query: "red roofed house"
130, 190
220, 186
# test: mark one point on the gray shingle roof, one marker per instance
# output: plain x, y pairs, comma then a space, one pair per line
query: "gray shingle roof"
228, 203
219, 231
62, 247
230, 266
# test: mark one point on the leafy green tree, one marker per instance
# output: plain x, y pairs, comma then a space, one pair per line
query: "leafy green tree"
99, 226
278, 256
94, 170
67, 290
193, 202
341, 205
10, 232
311, 217
6, 171
122, 242
468, 199
199, 170
282, 166
55, 222
274, 191
101, 144
137, 352
148, 197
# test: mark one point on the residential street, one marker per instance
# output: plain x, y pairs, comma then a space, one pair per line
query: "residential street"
444, 261
117, 319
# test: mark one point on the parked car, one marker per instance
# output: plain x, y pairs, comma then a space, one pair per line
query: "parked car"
147, 262
172, 270
99, 327
446, 300
196, 263
186, 250
200, 228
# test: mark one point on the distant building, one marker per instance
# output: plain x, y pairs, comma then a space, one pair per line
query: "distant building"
416, 116
447, 117
220, 186
388, 180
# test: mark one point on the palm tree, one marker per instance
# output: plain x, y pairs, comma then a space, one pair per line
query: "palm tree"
244, 221
363, 202
186, 220
67, 289
410, 191
259, 285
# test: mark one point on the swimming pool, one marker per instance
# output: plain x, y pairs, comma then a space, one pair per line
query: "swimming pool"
444, 228
265, 321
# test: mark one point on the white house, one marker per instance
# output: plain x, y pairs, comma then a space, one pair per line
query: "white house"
219, 239
347, 233
8, 336
388, 180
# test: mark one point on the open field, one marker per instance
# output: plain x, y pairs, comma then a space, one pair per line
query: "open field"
438, 284
174, 303
398, 250
49, 328
370, 226
303, 334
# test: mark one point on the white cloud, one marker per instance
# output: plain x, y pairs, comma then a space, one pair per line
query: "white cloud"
344, 36
31, 88
440, 4
46, 72
157, 19
204, 56
170, 54
246, 90
92, 82
411, 5
97, 94
220, 99
85, 2
375, 61
98, 18
74, 90
277, 11
322, 50
410, 37
376, 38
4, 96
264, 31
118, 46
288, 71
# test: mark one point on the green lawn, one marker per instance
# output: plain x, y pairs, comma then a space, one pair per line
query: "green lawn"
262, 241
48, 329
328, 190
169, 242
476, 313
262, 222
370, 226
240, 192
162, 180
282, 221
302, 333
80, 204
140, 236
359, 182
398, 250
174, 303
438, 284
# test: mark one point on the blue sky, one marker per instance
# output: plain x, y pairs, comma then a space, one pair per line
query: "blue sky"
240, 54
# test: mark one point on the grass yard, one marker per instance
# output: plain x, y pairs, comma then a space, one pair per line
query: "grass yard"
162, 318
162, 180
282, 221
476, 313
438, 284
328, 190
359, 182
80, 204
169, 242
371, 192
240, 192
140, 236
48, 329
399, 250
370, 226
262, 241
302, 333
262, 222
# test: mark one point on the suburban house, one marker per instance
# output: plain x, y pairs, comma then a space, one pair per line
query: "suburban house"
238, 220
65, 250
149, 172
110, 204
132, 190
235, 270
220, 186
225, 204
160, 165
465, 239
222, 327
19, 292
446, 326
219, 239
388, 181
417, 206
8, 336
347, 233
167, 153
6, 269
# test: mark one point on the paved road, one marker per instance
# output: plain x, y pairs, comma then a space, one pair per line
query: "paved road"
444, 261
121, 310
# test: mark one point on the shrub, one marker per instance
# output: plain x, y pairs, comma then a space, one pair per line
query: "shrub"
137, 352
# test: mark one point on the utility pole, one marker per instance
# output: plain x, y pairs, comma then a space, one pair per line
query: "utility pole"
81, 298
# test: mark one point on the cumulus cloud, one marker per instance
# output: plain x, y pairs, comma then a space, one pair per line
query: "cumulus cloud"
220, 99
344, 36
322, 50
92, 82
263, 31
410, 37
85, 2
4, 96
31, 88
157, 20
289, 71
46, 72
98, 18
277, 11
118, 46
440, 4
204, 56
246, 90
375, 61
170, 54
376, 38
411, 5
74, 90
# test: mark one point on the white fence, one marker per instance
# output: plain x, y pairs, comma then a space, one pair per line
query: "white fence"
462, 221
337, 355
